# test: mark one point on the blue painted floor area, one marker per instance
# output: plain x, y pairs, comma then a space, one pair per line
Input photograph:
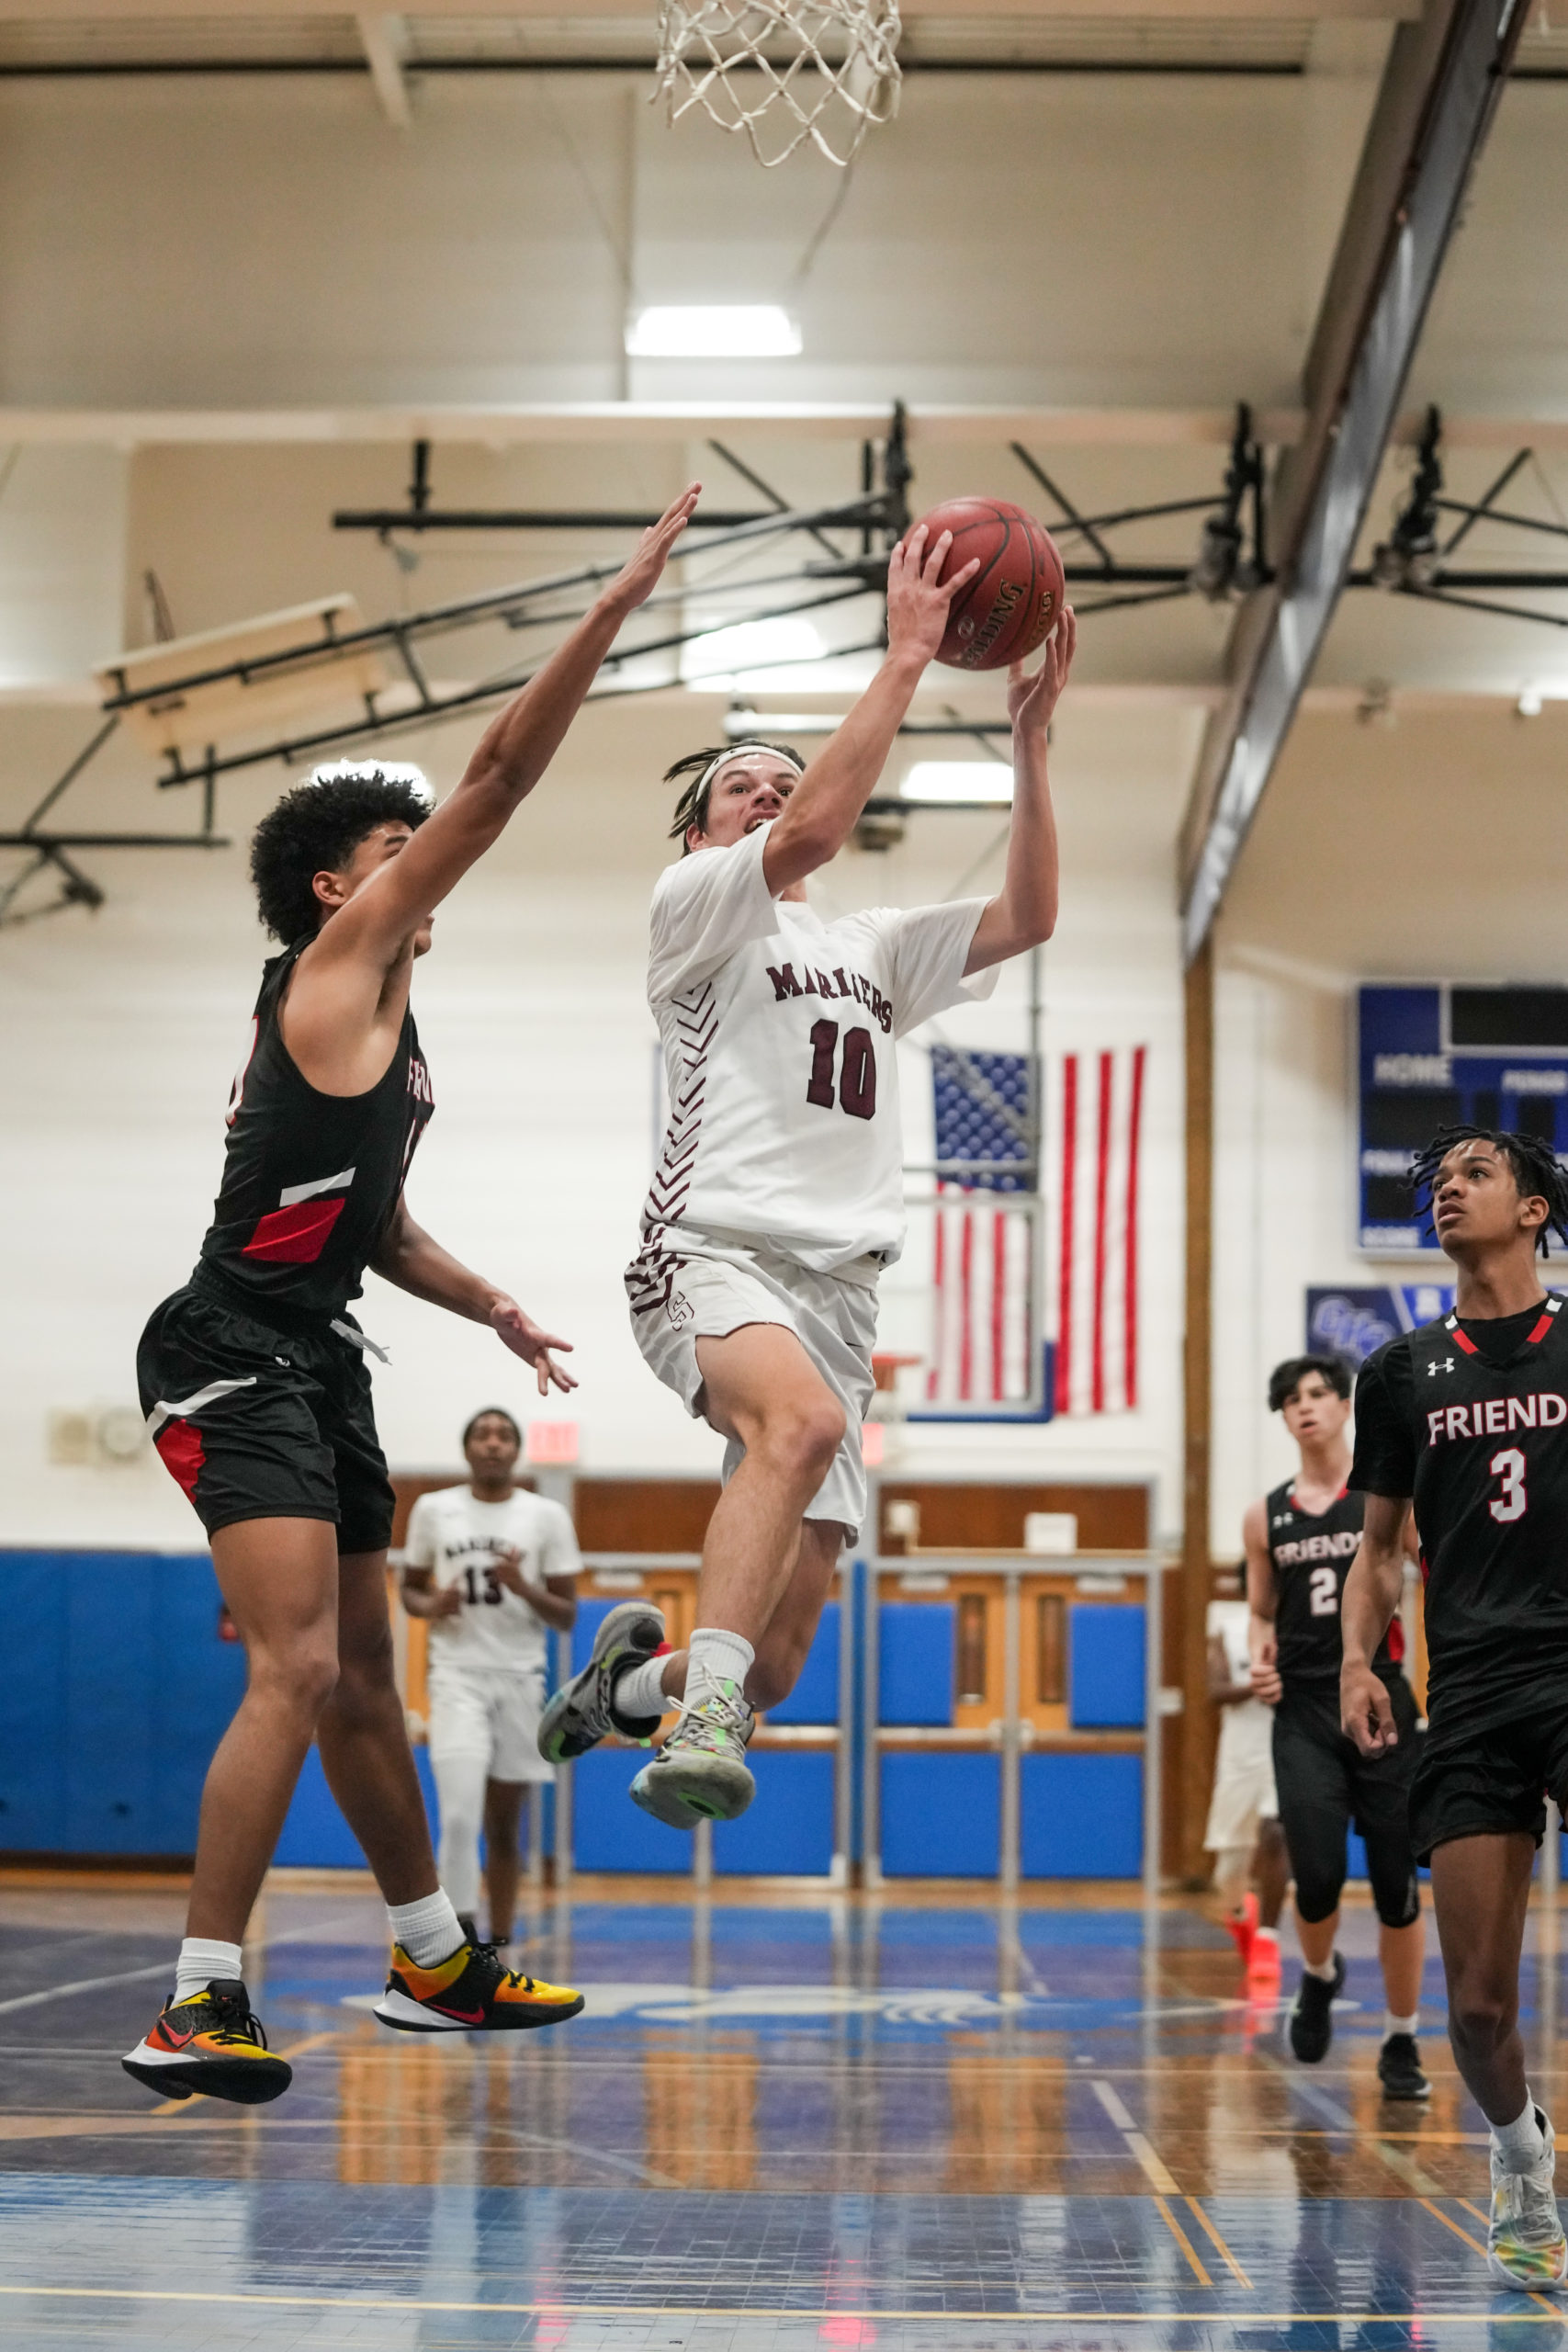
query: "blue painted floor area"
779, 2124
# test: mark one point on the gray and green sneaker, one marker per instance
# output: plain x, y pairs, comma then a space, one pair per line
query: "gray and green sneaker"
701, 1772
1525, 2248
583, 1710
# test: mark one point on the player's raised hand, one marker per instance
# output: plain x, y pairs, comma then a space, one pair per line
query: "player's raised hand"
918, 595
1365, 1713
522, 1335
636, 582
1030, 701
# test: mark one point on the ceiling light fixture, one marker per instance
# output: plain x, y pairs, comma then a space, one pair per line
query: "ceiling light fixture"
713, 331
939, 780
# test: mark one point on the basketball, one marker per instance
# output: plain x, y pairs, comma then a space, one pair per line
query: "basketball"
1015, 600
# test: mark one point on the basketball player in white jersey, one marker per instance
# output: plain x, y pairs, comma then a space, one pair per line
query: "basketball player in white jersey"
490, 1566
779, 1196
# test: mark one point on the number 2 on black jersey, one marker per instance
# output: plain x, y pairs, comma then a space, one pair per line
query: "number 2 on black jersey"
1509, 1504
857, 1076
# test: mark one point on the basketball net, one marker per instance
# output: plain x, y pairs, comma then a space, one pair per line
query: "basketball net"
782, 71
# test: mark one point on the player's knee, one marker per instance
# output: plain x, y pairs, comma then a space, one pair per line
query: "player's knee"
1317, 1900
1398, 1906
805, 1438
301, 1674
1481, 2015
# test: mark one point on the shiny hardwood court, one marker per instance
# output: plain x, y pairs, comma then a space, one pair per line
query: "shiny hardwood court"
930, 2125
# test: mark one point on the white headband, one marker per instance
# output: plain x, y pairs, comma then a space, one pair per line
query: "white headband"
740, 751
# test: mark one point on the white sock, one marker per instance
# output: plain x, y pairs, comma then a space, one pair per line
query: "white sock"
427, 1930
1323, 1968
713, 1656
640, 1690
200, 1961
1519, 2143
1267, 1935
1391, 2024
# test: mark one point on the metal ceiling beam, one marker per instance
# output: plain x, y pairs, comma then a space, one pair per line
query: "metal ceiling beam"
1440, 91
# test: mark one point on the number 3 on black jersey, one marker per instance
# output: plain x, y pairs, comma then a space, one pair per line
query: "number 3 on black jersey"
1508, 1465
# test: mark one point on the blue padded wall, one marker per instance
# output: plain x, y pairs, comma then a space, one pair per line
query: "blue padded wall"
814, 1699
788, 1827
940, 1815
1106, 1671
118, 1690
610, 1833
915, 1668
591, 1615
1082, 1817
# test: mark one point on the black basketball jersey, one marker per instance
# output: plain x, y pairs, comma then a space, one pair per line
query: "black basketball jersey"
1311, 1557
1491, 1489
309, 1180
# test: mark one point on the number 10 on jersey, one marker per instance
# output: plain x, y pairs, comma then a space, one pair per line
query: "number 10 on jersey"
856, 1071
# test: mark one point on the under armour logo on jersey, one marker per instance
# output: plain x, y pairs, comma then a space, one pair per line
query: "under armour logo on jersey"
1433, 1369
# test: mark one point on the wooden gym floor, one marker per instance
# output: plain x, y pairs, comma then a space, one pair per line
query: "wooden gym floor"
785, 2121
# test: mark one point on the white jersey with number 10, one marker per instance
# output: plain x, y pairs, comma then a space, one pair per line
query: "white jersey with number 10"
778, 1030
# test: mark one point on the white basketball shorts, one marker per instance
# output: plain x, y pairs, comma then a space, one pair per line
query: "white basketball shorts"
1244, 1777
684, 1287
489, 1711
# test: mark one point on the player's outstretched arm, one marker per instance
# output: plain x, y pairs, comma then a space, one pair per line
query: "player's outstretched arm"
1024, 912
1370, 1596
826, 804
408, 1257
1261, 1600
511, 756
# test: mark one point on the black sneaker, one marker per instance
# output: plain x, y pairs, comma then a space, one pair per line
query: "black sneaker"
583, 1710
470, 1927
212, 2042
1312, 2014
1399, 2068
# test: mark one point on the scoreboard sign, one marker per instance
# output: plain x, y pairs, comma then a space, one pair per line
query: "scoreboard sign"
1430, 1058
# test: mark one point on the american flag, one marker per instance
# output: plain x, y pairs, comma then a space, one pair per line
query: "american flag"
1009, 1283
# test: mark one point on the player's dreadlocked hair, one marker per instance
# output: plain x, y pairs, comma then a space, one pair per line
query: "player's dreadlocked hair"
699, 768
318, 826
1532, 1159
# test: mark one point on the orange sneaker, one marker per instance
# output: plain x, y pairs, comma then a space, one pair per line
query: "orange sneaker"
1242, 1927
1263, 1963
470, 1992
212, 2042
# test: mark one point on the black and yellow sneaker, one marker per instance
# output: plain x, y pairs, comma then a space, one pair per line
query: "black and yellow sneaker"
582, 1712
212, 2043
470, 1992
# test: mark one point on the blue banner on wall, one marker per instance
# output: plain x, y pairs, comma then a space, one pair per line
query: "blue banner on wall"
1354, 1323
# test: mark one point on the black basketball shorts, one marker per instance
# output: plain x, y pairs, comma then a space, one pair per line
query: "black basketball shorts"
1494, 1779
255, 1423
1324, 1784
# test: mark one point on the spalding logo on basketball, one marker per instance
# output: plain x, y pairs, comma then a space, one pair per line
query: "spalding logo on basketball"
1015, 600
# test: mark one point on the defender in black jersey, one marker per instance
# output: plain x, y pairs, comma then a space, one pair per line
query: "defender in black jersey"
1470, 1417
1300, 1542
255, 1383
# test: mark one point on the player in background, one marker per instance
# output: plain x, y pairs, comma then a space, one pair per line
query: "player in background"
1243, 1831
254, 1380
778, 1198
1300, 1542
489, 1566
1470, 1417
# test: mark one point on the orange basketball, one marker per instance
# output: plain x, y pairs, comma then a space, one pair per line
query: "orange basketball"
1015, 600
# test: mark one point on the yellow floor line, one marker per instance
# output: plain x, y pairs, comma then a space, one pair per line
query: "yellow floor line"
1183, 2241
558, 2310
1226, 2256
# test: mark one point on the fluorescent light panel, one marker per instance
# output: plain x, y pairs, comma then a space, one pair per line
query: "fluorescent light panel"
939, 780
731, 656
713, 331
